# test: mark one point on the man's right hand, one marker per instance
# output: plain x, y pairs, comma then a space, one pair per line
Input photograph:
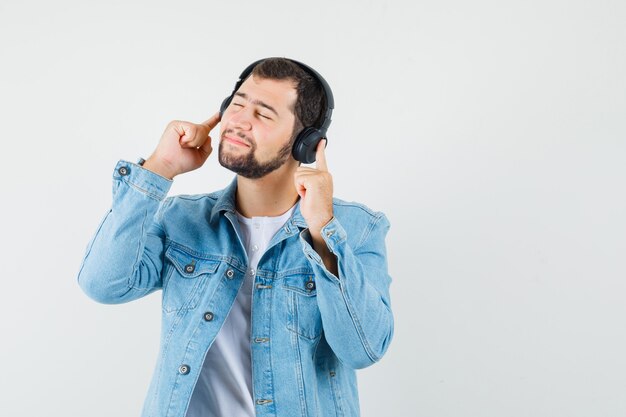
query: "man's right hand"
184, 146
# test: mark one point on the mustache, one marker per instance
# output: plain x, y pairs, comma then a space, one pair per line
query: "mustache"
240, 135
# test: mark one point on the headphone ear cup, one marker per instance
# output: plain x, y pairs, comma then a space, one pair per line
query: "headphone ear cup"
305, 145
225, 104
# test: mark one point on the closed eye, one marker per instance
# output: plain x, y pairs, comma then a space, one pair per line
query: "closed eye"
260, 114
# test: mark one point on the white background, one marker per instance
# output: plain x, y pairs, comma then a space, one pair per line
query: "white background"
491, 133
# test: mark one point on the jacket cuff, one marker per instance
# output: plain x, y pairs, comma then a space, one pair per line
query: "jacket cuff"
333, 235
151, 184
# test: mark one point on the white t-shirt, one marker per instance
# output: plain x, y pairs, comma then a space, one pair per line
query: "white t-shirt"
224, 387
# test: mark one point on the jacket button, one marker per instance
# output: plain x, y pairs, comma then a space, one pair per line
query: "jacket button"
183, 369
123, 170
189, 268
208, 316
330, 233
230, 274
310, 285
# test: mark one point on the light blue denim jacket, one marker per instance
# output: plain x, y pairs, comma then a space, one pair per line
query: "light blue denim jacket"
310, 329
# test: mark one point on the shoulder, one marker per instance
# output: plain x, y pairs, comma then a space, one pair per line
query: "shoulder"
189, 204
355, 208
191, 199
359, 219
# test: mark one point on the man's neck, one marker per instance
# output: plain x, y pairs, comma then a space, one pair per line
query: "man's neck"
270, 196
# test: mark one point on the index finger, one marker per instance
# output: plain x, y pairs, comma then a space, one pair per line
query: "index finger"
211, 122
320, 156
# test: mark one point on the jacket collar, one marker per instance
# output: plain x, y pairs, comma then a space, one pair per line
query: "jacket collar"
226, 204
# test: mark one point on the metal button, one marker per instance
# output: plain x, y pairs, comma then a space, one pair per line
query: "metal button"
183, 369
252, 271
310, 285
208, 316
189, 268
123, 170
230, 274
329, 233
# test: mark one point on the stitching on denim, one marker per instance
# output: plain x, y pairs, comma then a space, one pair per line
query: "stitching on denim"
165, 204
336, 392
295, 328
166, 283
176, 383
296, 347
157, 197
131, 277
192, 197
269, 345
163, 355
357, 325
196, 330
191, 302
202, 267
363, 207
368, 230
232, 261
90, 244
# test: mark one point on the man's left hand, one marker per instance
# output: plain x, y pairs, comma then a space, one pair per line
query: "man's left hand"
315, 187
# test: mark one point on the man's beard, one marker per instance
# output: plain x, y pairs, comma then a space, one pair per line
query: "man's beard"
246, 165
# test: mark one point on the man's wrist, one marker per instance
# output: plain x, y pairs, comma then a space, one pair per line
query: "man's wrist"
316, 230
159, 168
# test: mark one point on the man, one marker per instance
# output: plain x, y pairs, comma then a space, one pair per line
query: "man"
274, 292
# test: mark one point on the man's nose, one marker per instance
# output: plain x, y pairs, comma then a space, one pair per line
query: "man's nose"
242, 119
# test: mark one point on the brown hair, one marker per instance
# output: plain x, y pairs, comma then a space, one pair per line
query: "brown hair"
311, 102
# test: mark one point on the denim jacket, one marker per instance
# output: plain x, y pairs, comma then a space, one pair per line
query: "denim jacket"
310, 328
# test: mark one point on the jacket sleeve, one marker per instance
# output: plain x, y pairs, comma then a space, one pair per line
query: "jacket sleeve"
355, 307
124, 259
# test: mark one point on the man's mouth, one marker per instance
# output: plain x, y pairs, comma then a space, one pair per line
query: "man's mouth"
235, 141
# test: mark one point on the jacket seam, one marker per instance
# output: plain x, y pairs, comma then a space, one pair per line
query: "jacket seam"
368, 230
357, 325
148, 193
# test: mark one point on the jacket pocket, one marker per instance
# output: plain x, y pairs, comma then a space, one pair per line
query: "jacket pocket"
187, 276
304, 314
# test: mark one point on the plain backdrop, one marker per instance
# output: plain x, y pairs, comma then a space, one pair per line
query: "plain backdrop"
491, 133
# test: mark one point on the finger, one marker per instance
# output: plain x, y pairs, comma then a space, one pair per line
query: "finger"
197, 133
206, 147
300, 186
305, 176
192, 135
303, 169
320, 156
212, 121
186, 132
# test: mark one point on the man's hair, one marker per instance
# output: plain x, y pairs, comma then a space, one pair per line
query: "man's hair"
310, 104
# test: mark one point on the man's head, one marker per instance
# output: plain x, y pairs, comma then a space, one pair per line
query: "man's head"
265, 115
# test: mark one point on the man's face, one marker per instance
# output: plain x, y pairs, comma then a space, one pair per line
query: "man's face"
256, 128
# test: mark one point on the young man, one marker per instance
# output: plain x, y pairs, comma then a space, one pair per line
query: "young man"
274, 292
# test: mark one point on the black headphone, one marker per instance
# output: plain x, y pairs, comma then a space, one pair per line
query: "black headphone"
305, 145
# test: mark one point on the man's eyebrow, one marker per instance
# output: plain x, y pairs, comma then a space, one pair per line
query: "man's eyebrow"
258, 103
